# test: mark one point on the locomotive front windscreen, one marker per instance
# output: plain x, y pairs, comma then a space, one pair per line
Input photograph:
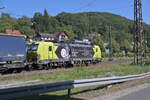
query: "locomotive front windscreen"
33, 47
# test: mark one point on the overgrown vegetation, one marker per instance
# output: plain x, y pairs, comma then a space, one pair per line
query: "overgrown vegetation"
84, 72
81, 72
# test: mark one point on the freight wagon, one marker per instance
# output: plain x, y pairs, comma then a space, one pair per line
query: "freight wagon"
12, 53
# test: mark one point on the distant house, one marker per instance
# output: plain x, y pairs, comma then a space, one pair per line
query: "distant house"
90, 36
12, 32
61, 36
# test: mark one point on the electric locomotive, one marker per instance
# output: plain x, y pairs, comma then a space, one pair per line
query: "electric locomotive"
65, 54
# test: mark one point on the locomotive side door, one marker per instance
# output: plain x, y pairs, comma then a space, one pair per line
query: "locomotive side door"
50, 52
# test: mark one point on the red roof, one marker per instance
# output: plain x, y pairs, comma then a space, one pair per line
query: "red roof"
61, 33
13, 32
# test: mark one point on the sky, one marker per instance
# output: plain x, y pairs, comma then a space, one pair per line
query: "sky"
18, 8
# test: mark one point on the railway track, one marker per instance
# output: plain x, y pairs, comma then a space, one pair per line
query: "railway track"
18, 76
115, 61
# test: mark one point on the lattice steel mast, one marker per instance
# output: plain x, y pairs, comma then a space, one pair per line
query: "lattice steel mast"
139, 47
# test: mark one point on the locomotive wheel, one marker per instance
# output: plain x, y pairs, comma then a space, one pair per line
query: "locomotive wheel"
29, 68
46, 67
40, 67
18, 70
9, 71
86, 64
68, 65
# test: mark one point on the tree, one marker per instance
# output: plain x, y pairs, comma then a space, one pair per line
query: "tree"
68, 31
4, 26
115, 46
24, 21
26, 30
46, 21
126, 46
7, 22
97, 40
37, 22
76, 25
25, 26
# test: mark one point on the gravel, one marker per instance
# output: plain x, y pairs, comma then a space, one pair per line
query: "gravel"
121, 93
116, 91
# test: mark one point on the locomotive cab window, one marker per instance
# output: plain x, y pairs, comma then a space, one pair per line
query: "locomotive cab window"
50, 48
33, 47
96, 49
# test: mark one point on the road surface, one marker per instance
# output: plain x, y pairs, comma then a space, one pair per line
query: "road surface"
137, 92
140, 95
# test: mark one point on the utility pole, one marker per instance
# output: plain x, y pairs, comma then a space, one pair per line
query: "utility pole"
110, 43
139, 44
145, 42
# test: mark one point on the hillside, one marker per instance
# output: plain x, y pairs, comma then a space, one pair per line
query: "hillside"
76, 25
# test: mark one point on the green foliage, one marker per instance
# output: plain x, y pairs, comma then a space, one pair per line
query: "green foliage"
24, 21
125, 45
26, 30
25, 26
97, 40
77, 26
85, 73
7, 22
118, 55
82, 72
115, 46
68, 31
104, 54
45, 23
130, 54
4, 26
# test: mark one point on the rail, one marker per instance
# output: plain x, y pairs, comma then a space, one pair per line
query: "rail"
16, 92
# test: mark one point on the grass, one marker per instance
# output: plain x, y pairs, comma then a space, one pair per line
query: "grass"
82, 73
89, 72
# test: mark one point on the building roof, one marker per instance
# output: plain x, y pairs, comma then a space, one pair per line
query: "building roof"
46, 35
13, 32
61, 33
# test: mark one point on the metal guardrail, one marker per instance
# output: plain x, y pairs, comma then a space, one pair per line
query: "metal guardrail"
15, 92
21, 83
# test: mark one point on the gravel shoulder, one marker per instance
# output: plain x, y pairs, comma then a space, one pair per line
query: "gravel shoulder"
116, 91
121, 93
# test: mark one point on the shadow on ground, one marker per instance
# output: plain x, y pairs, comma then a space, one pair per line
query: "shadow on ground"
88, 90
63, 97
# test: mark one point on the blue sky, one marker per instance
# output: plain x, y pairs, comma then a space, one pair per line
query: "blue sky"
124, 8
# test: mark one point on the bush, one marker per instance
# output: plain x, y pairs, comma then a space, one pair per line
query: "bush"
104, 54
148, 54
130, 54
118, 55
147, 62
